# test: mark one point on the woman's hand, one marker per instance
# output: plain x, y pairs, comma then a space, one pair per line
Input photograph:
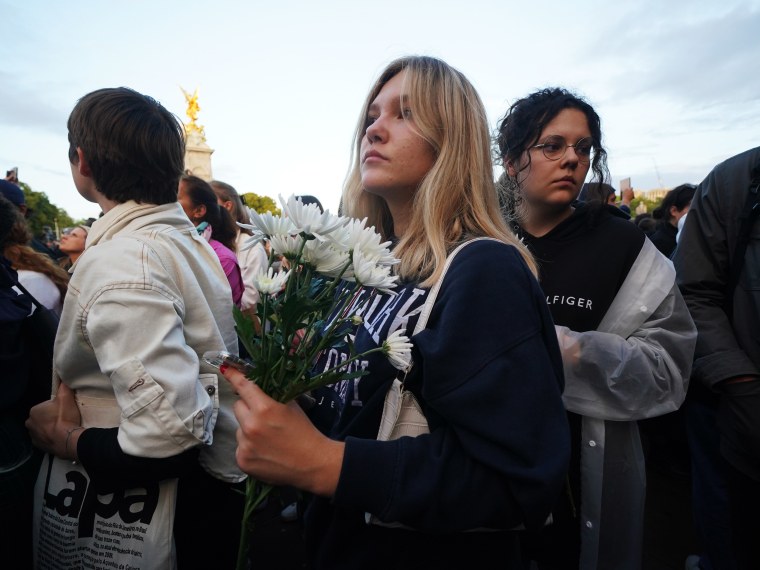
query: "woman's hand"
50, 424
568, 345
278, 444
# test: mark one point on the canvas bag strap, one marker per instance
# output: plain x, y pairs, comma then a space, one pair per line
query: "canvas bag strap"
427, 308
16, 283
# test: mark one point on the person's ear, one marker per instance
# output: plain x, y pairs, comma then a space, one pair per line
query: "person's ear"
510, 166
199, 212
82, 165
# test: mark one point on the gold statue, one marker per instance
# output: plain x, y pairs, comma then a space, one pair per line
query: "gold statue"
192, 111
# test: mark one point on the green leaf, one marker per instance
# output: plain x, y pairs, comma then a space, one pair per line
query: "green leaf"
246, 331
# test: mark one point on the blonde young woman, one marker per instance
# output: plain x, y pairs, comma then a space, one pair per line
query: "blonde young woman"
72, 244
487, 367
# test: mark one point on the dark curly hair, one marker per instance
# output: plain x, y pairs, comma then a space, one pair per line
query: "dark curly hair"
524, 121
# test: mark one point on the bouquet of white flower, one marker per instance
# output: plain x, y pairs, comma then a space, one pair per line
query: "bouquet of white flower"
309, 307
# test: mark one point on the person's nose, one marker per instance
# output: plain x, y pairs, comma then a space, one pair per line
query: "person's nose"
570, 158
377, 131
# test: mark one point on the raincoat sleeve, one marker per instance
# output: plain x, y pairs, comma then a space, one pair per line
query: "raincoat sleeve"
636, 365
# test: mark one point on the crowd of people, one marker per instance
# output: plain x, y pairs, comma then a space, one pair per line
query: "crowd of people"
566, 341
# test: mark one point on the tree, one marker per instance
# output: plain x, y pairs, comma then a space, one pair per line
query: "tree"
260, 204
44, 214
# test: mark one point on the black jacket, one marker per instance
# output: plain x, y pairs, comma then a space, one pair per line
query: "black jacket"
664, 238
728, 345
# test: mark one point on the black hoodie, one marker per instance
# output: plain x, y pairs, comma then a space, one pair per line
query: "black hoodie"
583, 261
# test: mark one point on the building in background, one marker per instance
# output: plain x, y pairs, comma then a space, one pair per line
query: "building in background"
197, 151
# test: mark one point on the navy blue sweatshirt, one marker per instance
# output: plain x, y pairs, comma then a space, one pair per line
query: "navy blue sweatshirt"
488, 374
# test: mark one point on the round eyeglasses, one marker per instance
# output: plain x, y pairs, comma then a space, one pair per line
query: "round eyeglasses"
554, 148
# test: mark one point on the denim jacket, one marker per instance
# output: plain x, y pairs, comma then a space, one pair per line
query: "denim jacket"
146, 299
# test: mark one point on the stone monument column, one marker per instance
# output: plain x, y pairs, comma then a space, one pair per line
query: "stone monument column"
197, 151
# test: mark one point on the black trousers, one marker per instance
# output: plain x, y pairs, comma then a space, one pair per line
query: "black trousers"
207, 521
744, 495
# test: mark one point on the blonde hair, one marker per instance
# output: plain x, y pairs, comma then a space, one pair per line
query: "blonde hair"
456, 199
66, 262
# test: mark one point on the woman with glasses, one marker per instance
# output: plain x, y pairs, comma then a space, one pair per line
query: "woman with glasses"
624, 331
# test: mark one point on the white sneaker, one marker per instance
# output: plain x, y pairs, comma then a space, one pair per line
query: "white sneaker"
289, 513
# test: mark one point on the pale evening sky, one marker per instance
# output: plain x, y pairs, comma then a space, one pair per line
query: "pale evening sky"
281, 83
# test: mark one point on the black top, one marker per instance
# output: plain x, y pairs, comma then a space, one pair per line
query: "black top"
664, 238
583, 262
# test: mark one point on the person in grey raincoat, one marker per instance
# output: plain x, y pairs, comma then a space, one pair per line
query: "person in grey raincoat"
625, 333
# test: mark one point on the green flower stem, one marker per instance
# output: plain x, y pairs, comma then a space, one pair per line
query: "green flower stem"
295, 281
322, 378
255, 493
265, 338
348, 299
296, 262
330, 289
304, 348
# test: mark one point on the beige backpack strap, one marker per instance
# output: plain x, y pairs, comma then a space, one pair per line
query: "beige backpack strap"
427, 308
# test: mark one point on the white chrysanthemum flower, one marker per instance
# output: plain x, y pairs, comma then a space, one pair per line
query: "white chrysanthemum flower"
343, 236
269, 282
368, 273
398, 349
269, 224
307, 218
286, 245
324, 258
356, 236
251, 241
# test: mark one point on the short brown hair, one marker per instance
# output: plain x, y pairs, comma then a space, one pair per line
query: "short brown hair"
134, 147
